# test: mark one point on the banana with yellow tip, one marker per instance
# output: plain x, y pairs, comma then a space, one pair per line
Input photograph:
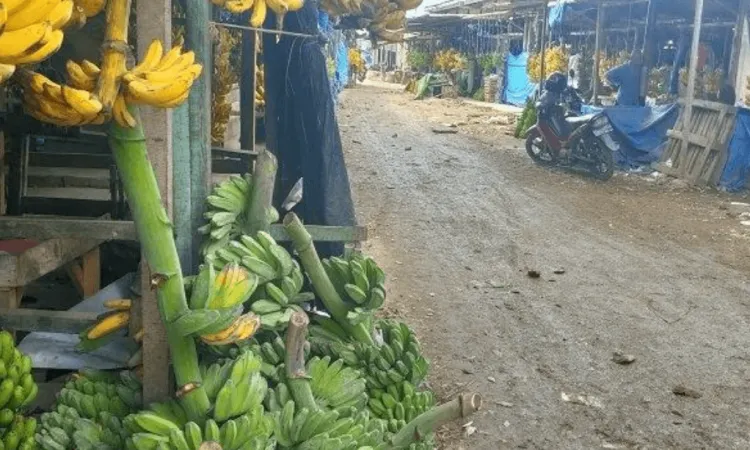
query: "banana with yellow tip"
243, 328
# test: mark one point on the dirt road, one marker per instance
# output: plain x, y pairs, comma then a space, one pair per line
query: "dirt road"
651, 270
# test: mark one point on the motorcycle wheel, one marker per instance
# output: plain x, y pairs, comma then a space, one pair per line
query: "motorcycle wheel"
604, 165
538, 149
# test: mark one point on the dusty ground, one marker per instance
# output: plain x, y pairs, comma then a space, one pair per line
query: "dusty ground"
651, 269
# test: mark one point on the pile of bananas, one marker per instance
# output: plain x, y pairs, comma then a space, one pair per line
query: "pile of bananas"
359, 282
19, 433
17, 390
224, 78
356, 62
227, 208
236, 389
384, 19
260, 9
555, 60
278, 300
400, 403
448, 60
89, 412
33, 32
215, 300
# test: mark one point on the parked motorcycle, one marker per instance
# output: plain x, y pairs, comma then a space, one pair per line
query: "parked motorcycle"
563, 138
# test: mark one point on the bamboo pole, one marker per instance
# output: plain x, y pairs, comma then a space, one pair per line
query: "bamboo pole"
597, 49
198, 39
159, 250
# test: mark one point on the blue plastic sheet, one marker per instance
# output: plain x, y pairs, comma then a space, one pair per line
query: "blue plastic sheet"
517, 87
642, 131
736, 170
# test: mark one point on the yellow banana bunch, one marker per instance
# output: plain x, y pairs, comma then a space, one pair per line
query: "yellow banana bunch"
224, 78
260, 8
243, 328
58, 104
260, 87
91, 8
162, 79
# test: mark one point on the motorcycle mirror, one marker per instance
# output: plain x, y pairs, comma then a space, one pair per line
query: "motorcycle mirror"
294, 196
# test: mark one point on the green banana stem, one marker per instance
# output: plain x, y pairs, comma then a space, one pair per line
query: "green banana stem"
296, 371
158, 247
303, 243
461, 407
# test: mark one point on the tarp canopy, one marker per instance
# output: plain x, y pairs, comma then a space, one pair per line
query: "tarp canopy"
517, 87
735, 174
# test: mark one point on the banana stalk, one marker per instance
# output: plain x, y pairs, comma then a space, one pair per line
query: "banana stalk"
303, 243
298, 381
264, 179
114, 52
461, 407
158, 246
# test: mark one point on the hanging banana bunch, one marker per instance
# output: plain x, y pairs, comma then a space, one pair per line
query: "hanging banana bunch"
223, 80
97, 94
260, 87
260, 9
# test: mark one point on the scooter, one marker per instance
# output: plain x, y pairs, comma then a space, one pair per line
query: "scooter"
562, 138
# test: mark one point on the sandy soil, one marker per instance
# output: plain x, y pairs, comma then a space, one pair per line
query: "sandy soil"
639, 265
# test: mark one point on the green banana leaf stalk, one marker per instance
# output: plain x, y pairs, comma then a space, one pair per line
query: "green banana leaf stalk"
158, 247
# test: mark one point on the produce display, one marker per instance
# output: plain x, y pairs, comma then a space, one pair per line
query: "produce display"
224, 79
260, 9
356, 62
608, 63
527, 120
385, 20
448, 60
555, 60
17, 391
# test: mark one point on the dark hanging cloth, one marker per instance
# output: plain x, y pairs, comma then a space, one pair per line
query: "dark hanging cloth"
301, 127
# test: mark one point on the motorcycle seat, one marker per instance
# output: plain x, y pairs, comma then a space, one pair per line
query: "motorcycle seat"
578, 120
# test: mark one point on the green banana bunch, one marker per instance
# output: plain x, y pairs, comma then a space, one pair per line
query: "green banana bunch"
321, 429
360, 283
398, 359
251, 431
261, 255
273, 353
278, 300
65, 429
234, 387
334, 387
400, 404
19, 433
93, 393
227, 211
17, 388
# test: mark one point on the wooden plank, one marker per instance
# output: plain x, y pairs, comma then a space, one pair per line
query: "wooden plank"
79, 160
692, 68
23, 319
691, 138
46, 257
47, 228
66, 206
154, 20
91, 272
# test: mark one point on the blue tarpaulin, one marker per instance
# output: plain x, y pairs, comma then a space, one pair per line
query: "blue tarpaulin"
736, 171
517, 87
642, 131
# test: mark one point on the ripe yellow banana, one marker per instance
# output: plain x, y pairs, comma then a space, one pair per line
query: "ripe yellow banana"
83, 102
61, 14
161, 94
90, 68
48, 48
51, 112
278, 6
33, 11
15, 44
243, 328
121, 114
169, 58
237, 6
78, 78
109, 324
119, 304
13, 5
91, 7
295, 5
259, 14
6, 71
151, 59
3, 16
182, 64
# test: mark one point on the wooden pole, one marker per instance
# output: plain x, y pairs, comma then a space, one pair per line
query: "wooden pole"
739, 30
154, 21
198, 39
692, 69
543, 46
597, 49
247, 91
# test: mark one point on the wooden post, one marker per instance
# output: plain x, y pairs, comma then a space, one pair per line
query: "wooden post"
692, 69
597, 49
154, 20
739, 30
247, 91
198, 39
543, 46
183, 226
